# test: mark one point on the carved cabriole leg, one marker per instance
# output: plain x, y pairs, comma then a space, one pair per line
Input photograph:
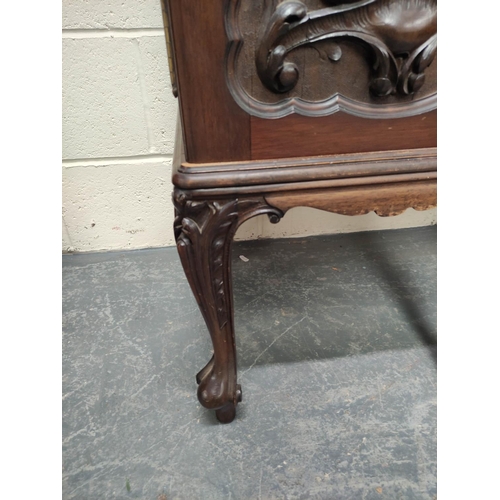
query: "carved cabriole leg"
204, 231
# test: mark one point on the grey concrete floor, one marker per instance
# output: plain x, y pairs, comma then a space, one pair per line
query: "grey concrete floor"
336, 347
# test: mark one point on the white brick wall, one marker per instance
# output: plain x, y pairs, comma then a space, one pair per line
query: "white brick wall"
119, 120
111, 14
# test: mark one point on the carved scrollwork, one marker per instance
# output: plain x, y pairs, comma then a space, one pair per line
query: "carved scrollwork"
389, 44
411, 75
401, 37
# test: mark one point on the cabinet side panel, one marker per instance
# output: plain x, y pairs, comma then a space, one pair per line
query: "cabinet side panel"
215, 128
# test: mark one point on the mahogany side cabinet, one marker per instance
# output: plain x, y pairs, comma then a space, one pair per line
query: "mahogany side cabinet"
329, 104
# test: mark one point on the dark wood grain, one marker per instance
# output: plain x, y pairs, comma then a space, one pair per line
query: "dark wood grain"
383, 199
215, 128
340, 133
236, 166
268, 175
315, 185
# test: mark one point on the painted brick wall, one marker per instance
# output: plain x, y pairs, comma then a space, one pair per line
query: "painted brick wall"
119, 119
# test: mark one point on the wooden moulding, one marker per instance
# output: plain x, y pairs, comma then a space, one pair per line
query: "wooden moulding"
305, 173
384, 199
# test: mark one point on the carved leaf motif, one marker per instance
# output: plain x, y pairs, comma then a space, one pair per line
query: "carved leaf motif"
412, 76
203, 231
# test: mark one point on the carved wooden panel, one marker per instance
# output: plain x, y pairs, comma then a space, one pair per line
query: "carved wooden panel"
369, 58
